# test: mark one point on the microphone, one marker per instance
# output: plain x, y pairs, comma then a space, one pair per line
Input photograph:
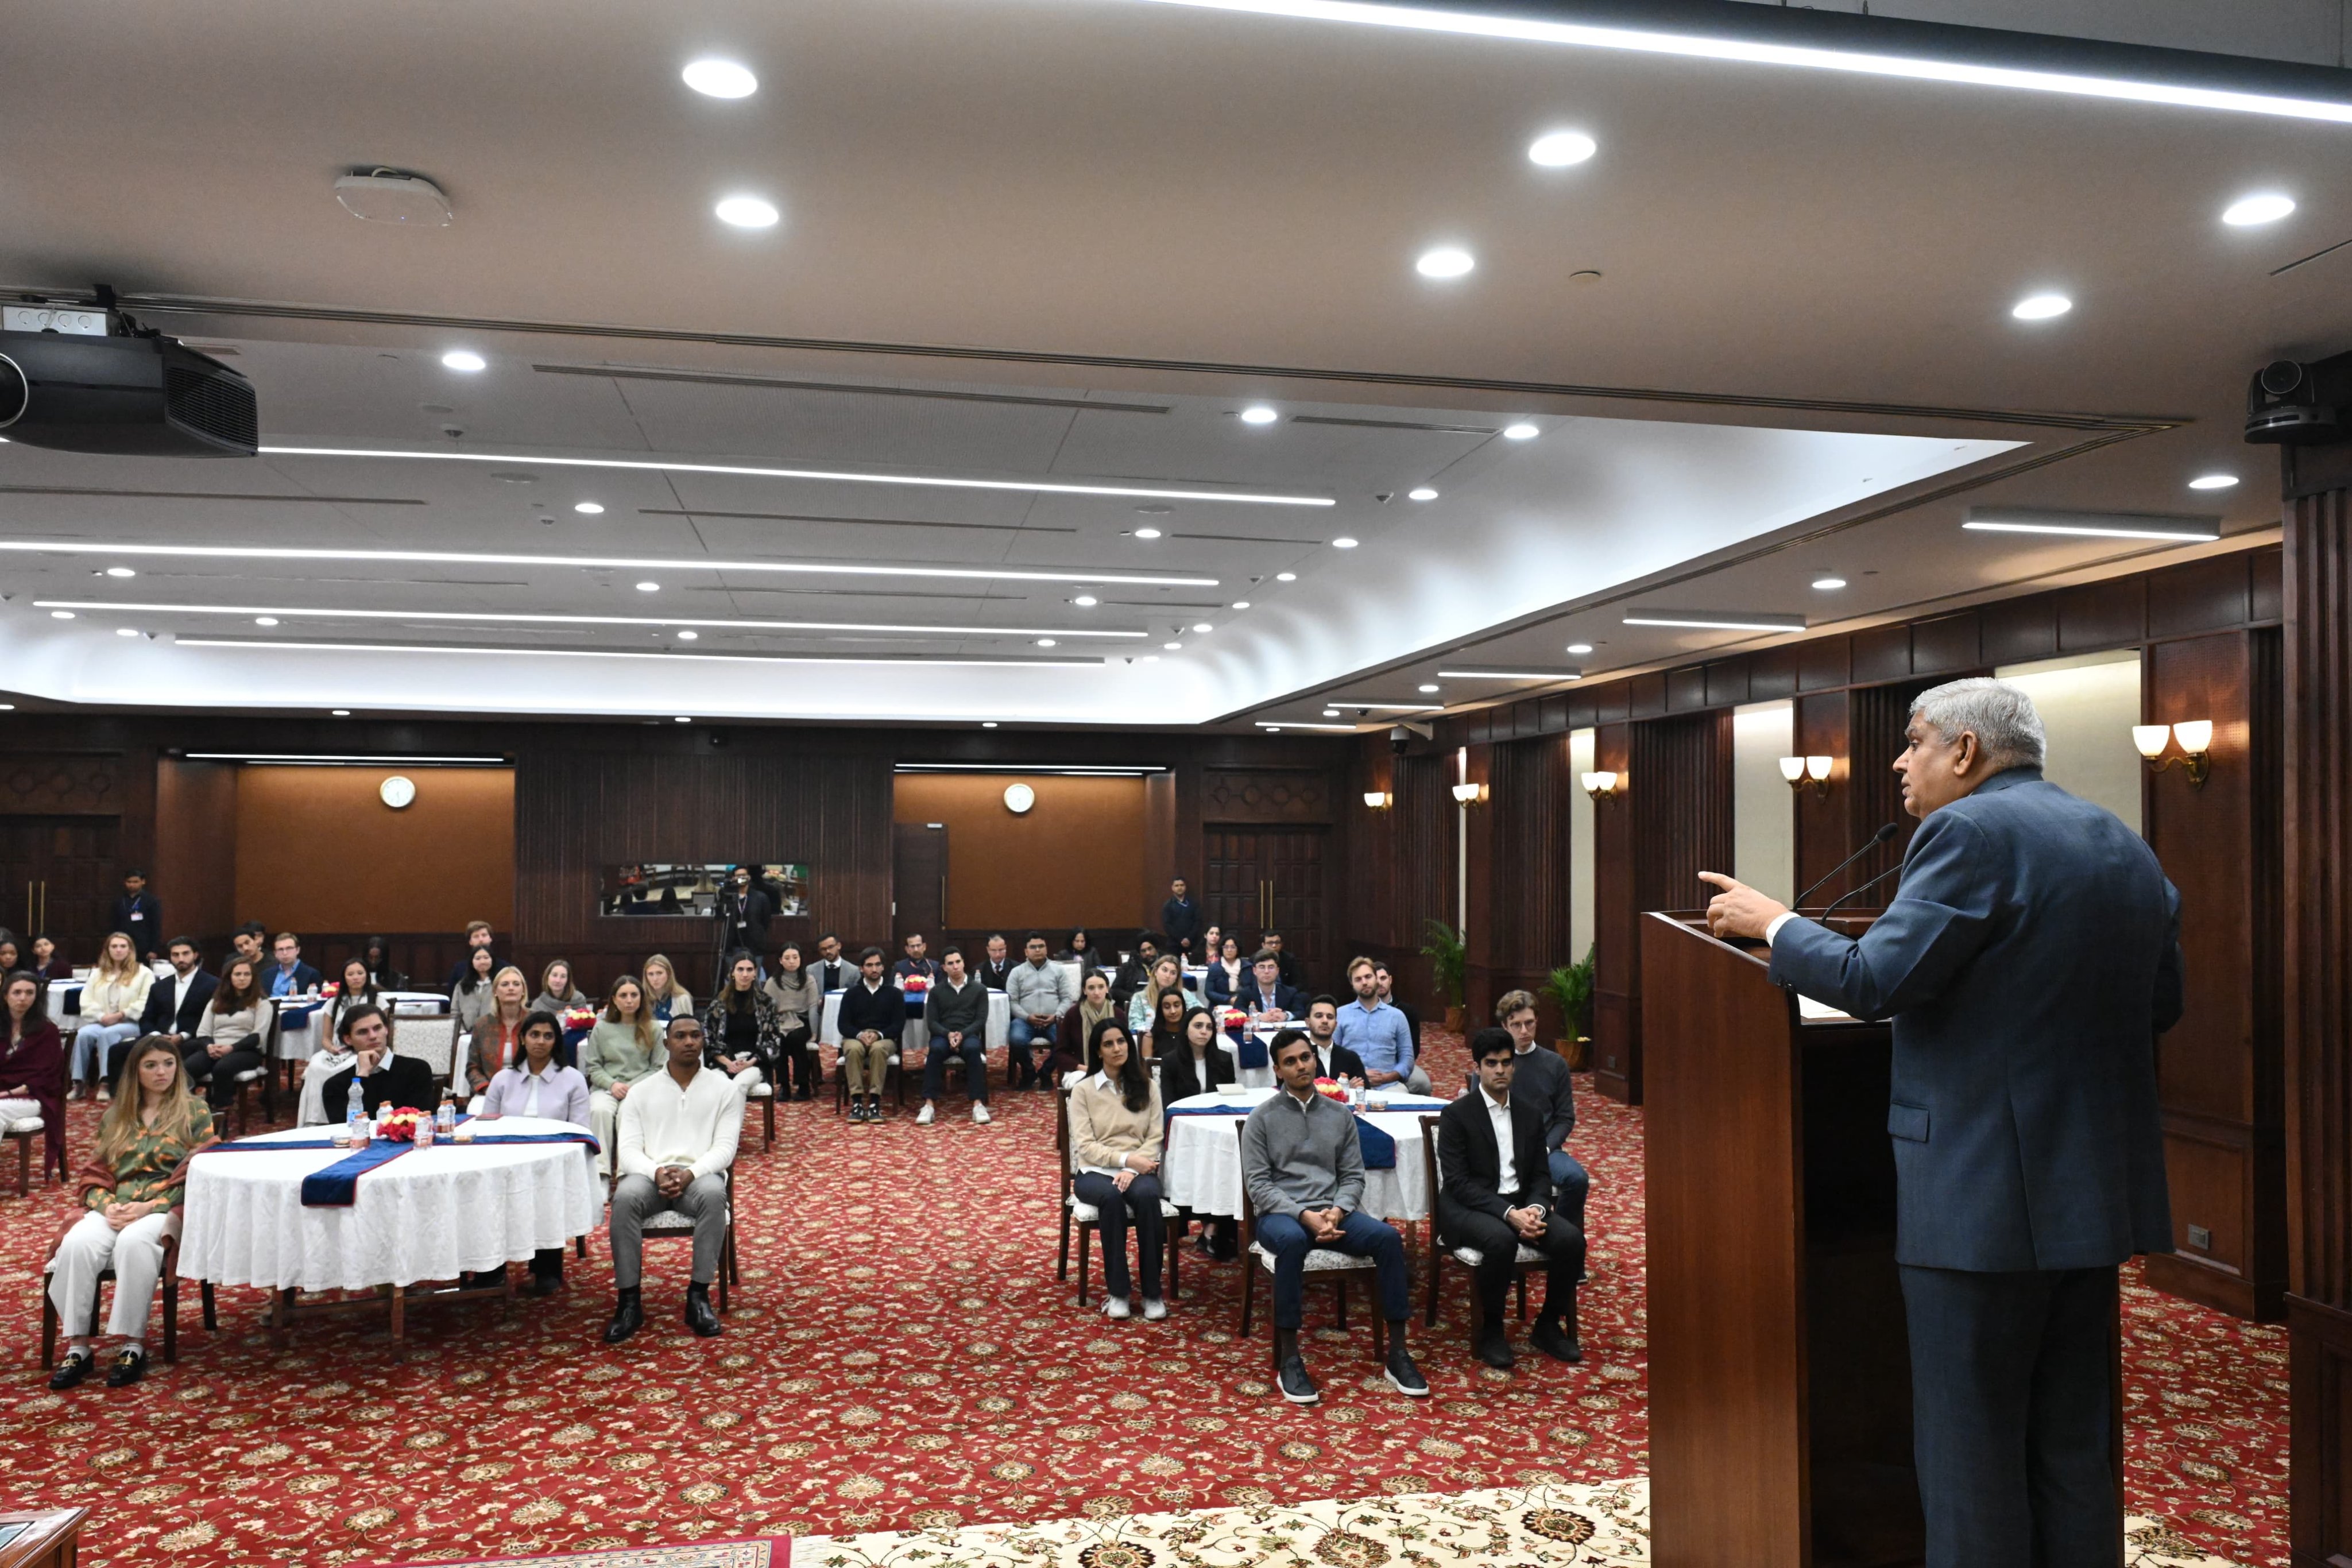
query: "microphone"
1876, 839
1865, 887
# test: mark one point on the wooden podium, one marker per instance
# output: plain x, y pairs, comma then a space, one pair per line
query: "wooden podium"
1779, 1373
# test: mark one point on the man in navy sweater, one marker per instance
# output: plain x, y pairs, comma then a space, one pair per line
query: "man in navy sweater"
873, 1016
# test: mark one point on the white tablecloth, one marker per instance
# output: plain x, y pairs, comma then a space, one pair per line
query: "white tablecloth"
297, 1042
69, 1019
1200, 1168
428, 1214
917, 1034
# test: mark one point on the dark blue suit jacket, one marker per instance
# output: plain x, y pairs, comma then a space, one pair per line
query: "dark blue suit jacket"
2029, 962
1288, 998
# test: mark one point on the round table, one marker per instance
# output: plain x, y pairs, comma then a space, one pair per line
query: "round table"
1200, 1166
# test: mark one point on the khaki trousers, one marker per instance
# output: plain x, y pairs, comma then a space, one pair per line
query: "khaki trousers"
865, 1063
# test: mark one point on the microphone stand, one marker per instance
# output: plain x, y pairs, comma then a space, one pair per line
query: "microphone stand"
1876, 839
1823, 916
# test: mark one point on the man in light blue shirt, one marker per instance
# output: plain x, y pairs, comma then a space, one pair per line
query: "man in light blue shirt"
1378, 1034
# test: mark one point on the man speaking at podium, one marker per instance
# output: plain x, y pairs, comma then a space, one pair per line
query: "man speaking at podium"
2028, 960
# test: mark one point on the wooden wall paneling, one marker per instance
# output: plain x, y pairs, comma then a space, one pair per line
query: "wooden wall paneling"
1824, 727
1645, 696
194, 870
2109, 614
1616, 1020
1162, 861
61, 783
1426, 869
1881, 653
447, 858
2222, 1066
1687, 689
1875, 797
2317, 939
1519, 872
1949, 645
1824, 664
1726, 684
1772, 674
2016, 630
2203, 595
2266, 593
1484, 934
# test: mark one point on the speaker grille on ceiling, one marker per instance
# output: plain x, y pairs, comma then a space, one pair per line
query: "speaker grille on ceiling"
211, 405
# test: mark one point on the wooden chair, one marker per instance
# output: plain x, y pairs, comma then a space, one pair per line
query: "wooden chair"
1087, 1218
264, 1077
1337, 1266
431, 1039
1469, 1257
669, 1224
765, 1093
167, 1292
893, 1075
23, 1134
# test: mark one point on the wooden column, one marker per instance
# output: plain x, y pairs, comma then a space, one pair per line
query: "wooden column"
1489, 942
1616, 1011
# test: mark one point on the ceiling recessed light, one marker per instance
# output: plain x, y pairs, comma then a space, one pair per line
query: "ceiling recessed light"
1560, 149
1202, 626
1421, 493
61, 615
340, 712
1829, 584
721, 79
1330, 713
1258, 414
2247, 212
1343, 542
688, 636
1241, 604
1444, 262
2213, 482
1147, 533
119, 572
1174, 647
1429, 686
1522, 431
1045, 642
1151, 658
463, 359
683, 719
2040, 306
747, 213
126, 631
988, 723
588, 508
650, 587
1086, 602
1580, 647
265, 621
1285, 577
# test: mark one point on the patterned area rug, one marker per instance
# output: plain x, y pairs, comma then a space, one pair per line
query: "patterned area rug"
900, 1356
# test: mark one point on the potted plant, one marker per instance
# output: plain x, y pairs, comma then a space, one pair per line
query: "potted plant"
1571, 986
1449, 961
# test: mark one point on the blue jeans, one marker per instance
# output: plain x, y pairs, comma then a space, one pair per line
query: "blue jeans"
1571, 1183
975, 1067
1141, 1201
1361, 1236
89, 1046
1020, 1036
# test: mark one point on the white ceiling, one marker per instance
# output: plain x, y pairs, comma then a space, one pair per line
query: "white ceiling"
1797, 360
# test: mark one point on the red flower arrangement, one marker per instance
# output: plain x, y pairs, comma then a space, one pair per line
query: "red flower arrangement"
579, 1018
400, 1124
1331, 1088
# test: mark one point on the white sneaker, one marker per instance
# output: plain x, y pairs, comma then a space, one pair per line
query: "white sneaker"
923, 1116
1115, 1307
1154, 1309
979, 1115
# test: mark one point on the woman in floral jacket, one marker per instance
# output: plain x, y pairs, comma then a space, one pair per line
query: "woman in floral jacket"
743, 1028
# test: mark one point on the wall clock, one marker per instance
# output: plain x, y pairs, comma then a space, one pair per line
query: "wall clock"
1019, 797
396, 791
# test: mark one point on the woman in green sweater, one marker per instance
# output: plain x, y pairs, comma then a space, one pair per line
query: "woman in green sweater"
623, 1048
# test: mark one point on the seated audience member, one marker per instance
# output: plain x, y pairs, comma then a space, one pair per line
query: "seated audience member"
496, 1034
1135, 974
1287, 963
1378, 1034
1544, 1083
130, 1194
679, 1130
623, 1048
384, 1080
1200, 1064
478, 939
288, 976
800, 1007
538, 1085
1265, 997
833, 971
49, 961
1080, 951
355, 987
1332, 1059
1496, 1195
176, 1003
1038, 992
377, 956
1225, 972
1079, 1023
1180, 918
956, 1014
138, 916
11, 954
1115, 1128
228, 1038
1304, 1170
664, 995
32, 1063
997, 966
469, 999
1165, 1034
873, 1016
741, 1032
916, 965
556, 991
251, 940
113, 1001
1386, 977
1166, 977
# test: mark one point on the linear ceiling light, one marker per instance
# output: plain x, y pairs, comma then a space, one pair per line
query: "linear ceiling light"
1710, 620
612, 562
502, 617
2093, 525
342, 759
1385, 707
1752, 51
1300, 724
1510, 675
920, 662
1066, 770
835, 476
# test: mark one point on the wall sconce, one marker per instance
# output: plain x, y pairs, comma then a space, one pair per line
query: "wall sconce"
1469, 794
1800, 770
1604, 786
2196, 739
1377, 799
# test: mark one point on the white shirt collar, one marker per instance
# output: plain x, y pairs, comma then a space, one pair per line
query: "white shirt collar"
1493, 1104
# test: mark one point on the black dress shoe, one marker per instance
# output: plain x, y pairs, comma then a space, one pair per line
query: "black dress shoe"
628, 1317
1402, 1374
545, 1281
129, 1368
1554, 1342
1493, 1347
1296, 1386
699, 1315
71, 1370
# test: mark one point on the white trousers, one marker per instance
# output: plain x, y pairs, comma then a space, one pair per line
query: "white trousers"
135, 1253
605, 1121
14, 1111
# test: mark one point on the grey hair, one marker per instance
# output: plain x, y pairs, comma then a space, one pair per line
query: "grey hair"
2007, 728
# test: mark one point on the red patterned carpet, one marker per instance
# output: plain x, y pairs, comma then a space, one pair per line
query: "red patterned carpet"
901, 1354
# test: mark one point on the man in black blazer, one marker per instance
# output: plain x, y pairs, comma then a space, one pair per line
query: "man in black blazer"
1263, 992
834, 972
386, 1080
175, 1004
997, 966
1494, 1206
2028, 961
1332, 1059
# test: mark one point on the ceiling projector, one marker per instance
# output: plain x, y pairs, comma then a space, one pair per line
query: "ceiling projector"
123, 392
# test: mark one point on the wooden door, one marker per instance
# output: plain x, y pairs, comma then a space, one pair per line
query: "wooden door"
919, 885
1270, 879
58, 875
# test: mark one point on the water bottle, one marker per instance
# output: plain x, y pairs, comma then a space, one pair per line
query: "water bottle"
355, 1112
445, 1119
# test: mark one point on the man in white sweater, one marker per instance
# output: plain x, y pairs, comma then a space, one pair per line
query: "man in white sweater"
678, 1131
